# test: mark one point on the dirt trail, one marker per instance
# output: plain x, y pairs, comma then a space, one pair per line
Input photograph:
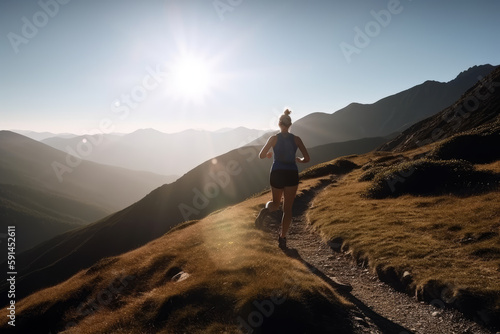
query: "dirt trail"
379, 308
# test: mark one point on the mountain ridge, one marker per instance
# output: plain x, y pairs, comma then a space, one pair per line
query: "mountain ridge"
89, 191
390, 114
458, 117
151, 150
218, 182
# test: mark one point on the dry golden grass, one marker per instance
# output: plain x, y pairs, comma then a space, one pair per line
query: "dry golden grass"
231, 266
442, 241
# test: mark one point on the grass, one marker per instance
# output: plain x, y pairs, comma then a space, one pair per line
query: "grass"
337, 166
448, 245
233, 270
428, 177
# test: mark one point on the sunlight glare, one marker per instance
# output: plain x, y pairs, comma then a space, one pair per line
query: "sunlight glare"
192, 78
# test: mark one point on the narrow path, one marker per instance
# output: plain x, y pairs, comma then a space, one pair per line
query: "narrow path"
380, 308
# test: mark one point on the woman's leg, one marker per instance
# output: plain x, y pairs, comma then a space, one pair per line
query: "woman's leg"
289, 197
271, 206
274, 204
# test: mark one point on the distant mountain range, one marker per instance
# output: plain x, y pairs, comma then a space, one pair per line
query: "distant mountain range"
43, 135
478, 106
389, 115
219, 181
157, 152
216, 183
44, 195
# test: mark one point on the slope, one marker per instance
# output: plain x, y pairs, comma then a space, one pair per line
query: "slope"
424, 221
479, 105
43, 201
215, 275
26, 162
41, 215
391, 114
221, 181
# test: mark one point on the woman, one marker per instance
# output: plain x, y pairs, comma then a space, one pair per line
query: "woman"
284, 176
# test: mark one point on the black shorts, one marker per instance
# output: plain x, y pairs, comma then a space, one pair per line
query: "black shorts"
284, 178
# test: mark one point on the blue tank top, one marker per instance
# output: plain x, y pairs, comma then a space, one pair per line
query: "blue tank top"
284, 152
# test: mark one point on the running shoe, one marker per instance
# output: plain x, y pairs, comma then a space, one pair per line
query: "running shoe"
259, 221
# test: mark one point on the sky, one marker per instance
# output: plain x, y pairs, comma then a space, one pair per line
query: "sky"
88, 66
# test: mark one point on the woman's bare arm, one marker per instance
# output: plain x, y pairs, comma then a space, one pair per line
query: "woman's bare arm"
303, 150
265, 150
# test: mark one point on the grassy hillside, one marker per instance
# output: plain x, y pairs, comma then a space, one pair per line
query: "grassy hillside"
222, 181
41, 205
441, 245
215, 275
40, 215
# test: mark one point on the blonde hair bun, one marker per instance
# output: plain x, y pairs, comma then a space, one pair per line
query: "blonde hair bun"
285, 119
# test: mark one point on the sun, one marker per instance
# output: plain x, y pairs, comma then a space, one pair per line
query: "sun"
192, 78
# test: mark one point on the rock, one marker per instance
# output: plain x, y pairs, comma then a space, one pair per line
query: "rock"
435, 313
181, 276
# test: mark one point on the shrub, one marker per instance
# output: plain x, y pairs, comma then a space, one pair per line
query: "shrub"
475, 148
339, 166
431, 177
370, 173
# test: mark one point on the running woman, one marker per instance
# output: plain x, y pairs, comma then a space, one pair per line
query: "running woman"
284, 178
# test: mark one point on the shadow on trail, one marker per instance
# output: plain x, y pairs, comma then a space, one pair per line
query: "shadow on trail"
301, 204
384, 324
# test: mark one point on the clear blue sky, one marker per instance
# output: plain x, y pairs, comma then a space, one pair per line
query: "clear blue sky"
80, 65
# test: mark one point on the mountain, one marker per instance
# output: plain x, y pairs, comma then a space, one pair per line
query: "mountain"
203, 277
392, 114
40, 215
216, 183
155, 151
42, 135
45, 192
480, 105
219, 274
26, 162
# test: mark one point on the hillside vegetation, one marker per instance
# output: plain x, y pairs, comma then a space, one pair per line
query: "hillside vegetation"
224, 180
40, 215
427, 227
215, 275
